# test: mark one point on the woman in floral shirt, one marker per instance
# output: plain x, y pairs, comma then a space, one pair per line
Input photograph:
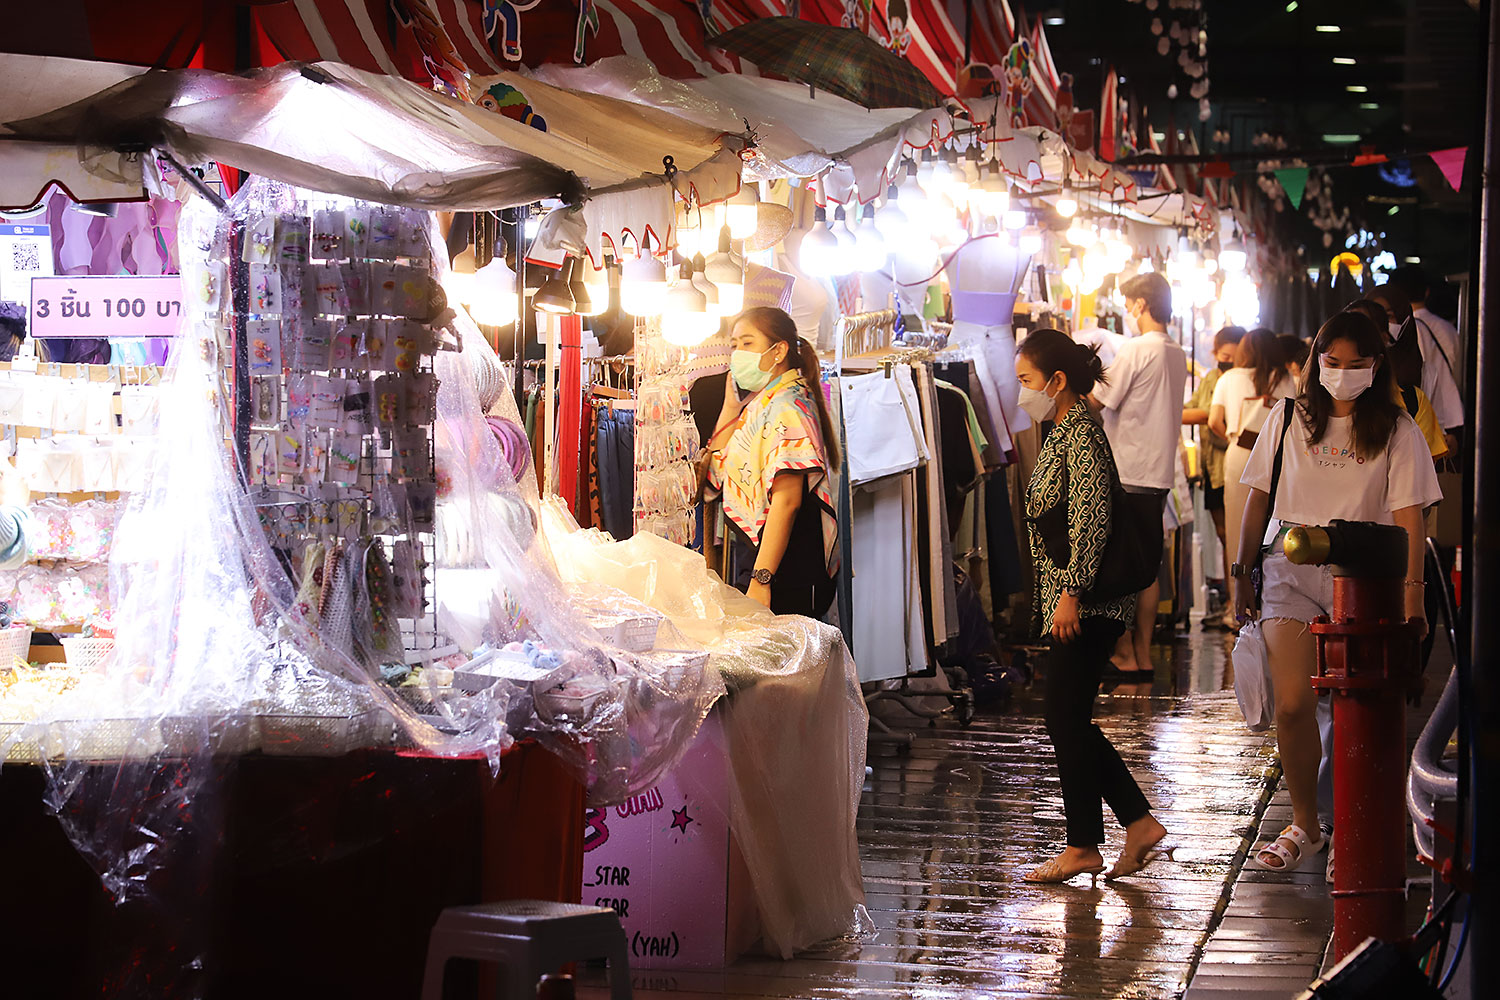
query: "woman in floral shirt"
769, 462
1075, 468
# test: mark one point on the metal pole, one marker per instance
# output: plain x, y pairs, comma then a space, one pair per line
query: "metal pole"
1481, 586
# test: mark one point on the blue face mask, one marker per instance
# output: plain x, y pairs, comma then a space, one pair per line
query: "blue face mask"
745, 367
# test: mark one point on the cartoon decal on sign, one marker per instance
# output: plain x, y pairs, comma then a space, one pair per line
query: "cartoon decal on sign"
505, 15
588, 22
1018, 81
504, 99
896, 14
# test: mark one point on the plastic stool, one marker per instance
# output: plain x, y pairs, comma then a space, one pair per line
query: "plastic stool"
529, 938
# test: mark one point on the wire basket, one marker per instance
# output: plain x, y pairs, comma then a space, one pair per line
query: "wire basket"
21, 751
319, 735
15, 644
187, 735
85, 653
102, 739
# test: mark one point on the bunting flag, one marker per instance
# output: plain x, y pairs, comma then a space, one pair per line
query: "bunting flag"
1109, 117
1293, 182
1451, 163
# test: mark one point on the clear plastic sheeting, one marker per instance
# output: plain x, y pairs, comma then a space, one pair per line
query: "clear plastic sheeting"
225, 647
795, 723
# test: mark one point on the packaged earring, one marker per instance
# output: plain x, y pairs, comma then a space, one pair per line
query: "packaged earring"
327, 235
264, 340
265, 288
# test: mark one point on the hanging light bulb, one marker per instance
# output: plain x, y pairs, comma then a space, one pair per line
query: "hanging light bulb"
1080, 234
492, 297
643, 284
728, 276
926, 168
1072, 274
841, 261
869, 243
891, 220
1067, 205
742, 214
689, 229
708, 288
556, 295
685, 320
914, 200
1187, 252
818, 247
1015, 218
1030, 241
996, 191
1210, 263
1233, 258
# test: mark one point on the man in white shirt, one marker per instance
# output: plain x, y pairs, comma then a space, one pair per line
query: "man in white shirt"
1142, 410
1412, 280
1437, 372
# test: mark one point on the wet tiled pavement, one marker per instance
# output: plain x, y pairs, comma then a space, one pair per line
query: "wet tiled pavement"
947, 829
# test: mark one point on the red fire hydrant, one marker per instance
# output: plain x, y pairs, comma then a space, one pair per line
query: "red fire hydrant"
1368, 658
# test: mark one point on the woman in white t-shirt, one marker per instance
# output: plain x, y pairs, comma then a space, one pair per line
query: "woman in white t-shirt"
1351, 453
1243, 400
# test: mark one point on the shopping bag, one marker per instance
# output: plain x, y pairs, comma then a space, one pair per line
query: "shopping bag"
1252, 678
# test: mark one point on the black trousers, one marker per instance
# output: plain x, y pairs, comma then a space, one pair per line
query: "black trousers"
1088, 764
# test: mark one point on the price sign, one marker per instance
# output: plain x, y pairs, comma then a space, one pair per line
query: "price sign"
106, 306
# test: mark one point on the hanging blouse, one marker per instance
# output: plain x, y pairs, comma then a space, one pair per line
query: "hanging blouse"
778, 432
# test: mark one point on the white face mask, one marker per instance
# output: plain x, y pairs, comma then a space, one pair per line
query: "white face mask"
1395, 330
1345, 384
1132, 328
1037, 404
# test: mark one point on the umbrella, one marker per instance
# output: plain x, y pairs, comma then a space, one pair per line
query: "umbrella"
842, 61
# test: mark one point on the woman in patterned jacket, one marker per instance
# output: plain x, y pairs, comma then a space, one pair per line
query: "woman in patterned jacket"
769, 462
1075, 468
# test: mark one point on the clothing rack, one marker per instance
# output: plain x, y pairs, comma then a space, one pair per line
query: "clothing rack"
866, 333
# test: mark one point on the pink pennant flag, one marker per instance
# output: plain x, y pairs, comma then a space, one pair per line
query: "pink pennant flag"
1451, 163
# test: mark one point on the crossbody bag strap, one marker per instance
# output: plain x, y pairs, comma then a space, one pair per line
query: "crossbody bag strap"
1288, 411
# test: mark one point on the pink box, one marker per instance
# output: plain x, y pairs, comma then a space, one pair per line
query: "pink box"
666, 863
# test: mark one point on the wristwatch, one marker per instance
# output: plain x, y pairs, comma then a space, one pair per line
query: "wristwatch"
1242, 570
762, 576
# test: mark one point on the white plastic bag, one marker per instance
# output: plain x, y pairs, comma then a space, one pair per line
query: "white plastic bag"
1252, 678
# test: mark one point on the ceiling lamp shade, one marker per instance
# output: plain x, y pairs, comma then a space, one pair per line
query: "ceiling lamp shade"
590, 288
556, 294
819, 246
643, 285
742, 213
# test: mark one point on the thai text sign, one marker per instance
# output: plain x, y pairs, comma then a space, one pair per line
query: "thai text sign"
94, 305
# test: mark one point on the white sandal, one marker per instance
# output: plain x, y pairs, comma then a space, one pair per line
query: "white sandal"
1328, 872
1298, 838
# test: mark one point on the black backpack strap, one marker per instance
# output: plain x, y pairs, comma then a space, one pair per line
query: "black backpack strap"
1409, 397
1288, 411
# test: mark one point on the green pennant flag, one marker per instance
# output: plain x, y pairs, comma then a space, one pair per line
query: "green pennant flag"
1293, 182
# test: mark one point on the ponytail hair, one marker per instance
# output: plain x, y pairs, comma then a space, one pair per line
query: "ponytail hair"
777, 325
1052, 351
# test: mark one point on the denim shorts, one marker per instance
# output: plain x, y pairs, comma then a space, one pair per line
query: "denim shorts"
1300, 593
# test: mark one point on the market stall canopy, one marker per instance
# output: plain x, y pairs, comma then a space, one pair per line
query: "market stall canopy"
33, 85
842, 60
